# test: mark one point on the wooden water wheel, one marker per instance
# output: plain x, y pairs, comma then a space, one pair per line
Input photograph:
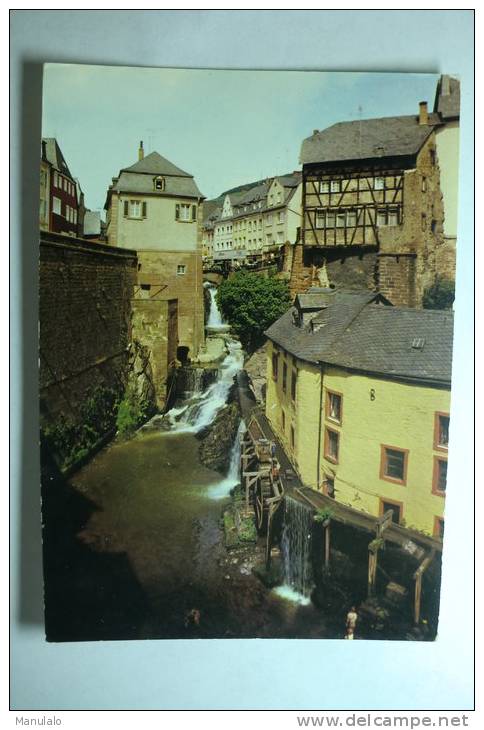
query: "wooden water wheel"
263, 492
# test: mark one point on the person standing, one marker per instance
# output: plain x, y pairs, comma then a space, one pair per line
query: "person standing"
351, 619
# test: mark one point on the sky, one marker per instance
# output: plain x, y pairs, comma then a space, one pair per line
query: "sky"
226, 128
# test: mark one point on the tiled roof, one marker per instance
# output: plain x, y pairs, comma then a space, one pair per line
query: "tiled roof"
355, 331
367, 139
155, 164
133, 182
55, 157
447, 98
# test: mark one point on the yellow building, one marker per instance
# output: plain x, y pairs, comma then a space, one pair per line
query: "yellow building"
359, 394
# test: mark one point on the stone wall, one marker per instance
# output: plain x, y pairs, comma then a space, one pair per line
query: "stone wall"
85, 292
155, 327
186, 287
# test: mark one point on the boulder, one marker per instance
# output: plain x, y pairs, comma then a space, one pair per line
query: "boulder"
216, 440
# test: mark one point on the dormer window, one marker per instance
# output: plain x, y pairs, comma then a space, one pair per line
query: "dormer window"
159, 183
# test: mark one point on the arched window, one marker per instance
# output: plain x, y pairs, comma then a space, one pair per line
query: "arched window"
159, 183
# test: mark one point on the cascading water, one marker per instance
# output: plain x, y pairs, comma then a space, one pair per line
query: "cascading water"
222, 489
296, 552
215, 320
203, 405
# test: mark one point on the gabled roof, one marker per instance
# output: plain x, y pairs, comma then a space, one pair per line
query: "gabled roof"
354, 329
55, 157
367, 139
447, 98
155, 164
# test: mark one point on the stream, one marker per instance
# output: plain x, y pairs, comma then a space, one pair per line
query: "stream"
161, 508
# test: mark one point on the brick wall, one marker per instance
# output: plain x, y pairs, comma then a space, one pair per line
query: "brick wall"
85, 293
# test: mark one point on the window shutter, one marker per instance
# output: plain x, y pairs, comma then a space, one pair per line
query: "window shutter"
194, 212
177, 212
143, 209
126, 209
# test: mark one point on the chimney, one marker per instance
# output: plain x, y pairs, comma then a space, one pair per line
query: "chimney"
423, 115
141, 152
445, 85
44, 149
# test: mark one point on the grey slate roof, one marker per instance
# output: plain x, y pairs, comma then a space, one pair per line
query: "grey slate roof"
139, 178
356, 332
366, 139
55, 157
447, 98
155, 164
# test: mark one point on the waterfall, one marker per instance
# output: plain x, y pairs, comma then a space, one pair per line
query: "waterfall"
296, 552
222, 489
202, 407
214, 317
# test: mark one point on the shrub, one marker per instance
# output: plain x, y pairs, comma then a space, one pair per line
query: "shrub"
250, 303
440, 295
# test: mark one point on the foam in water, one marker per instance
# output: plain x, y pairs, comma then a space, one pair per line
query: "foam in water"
202, 408
289, 594
296, 551
222, 489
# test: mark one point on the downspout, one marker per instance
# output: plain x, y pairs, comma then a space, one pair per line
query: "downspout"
320, 425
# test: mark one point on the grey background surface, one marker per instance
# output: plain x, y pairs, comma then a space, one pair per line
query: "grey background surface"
226, 674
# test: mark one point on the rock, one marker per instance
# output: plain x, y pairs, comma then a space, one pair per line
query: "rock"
395, 592
256, 369
218, 438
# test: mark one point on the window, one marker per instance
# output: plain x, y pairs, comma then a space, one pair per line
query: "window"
330, 219
159, 183
379, 183
439, 482
324, 186
328, 487
320, 218
280, 217
335, 186
331, 445
56, 179
424, 184
275, 364
396, 507
340, 220
441, 431
334, 408
268, 239
283, 421
280, 237
284, 377
269, 220
387, 217
56, 205
185, 212
351, 218
134, 209
393, 466
439, 527
181, 269
424, 221
293, 438
293, 385
381, 218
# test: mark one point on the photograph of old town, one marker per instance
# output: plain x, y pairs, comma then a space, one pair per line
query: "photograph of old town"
246, 321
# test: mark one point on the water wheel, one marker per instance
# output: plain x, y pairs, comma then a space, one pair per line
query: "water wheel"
263, 491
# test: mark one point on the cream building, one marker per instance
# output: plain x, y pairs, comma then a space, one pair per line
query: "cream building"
155, 208
254, 223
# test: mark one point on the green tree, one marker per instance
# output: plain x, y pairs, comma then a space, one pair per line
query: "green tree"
250, 303
440, 295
